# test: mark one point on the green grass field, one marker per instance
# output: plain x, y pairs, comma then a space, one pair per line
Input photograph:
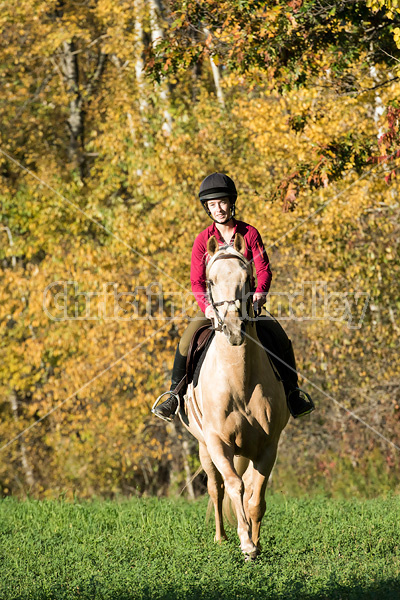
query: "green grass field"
151, 548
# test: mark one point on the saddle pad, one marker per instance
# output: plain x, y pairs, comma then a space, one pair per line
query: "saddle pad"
197, 349
201, 358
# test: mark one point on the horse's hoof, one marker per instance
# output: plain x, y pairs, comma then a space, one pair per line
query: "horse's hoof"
252, 555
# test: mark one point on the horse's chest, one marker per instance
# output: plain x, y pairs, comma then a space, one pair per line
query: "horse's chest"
246, 434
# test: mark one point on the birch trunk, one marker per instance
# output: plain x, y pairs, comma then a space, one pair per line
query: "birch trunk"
183, 446
30, 479
217, 82
13, 399
216, 76
184, 455
188, 473
139, 62
157, 35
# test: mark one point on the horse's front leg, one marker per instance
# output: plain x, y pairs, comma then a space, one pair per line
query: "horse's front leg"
248, 490
215, 486
222, 456
256, 506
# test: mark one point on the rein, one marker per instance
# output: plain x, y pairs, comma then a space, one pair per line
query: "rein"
237, 303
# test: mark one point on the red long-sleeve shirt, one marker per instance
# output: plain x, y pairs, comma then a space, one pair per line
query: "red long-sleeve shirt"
254, 251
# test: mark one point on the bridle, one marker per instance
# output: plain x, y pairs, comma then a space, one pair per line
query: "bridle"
236, 302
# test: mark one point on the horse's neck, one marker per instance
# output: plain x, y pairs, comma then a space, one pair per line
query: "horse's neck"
237, 359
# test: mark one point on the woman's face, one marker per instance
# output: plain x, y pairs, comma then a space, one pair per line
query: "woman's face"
220, 209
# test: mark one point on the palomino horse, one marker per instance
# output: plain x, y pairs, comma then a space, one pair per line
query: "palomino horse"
238, 408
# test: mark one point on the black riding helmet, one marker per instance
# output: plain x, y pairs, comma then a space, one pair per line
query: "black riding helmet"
217, 185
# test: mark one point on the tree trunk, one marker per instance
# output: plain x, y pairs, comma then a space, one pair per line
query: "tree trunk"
139, 62
184, 446
217, 82
189, 481
75, 120
157, 35
30, 480
217, 77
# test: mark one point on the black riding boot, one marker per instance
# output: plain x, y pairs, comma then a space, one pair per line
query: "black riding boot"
168, 409
299, 402
274, 338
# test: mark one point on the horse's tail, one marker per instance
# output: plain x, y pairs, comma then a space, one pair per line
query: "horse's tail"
228, 511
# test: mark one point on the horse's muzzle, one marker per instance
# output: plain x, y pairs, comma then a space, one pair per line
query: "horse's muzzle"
235, 338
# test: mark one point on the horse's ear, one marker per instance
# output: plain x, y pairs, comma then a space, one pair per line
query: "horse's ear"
239, 243
212, 245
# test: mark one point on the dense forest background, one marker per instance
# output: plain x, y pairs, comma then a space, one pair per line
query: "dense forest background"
112, 113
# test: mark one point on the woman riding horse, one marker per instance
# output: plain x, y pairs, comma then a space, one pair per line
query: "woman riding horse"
218, 196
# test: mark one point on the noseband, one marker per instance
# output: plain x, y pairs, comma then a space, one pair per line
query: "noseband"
237, 303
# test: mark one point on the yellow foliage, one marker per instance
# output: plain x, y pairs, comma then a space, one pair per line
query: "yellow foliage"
89, 363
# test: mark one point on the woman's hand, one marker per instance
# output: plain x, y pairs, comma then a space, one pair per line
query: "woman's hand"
209, 312
260, 298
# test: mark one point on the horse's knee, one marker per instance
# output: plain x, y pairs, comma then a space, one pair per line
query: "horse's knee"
257, 509
215, 490
234, 487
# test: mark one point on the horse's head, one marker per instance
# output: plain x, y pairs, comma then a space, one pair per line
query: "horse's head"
228, 283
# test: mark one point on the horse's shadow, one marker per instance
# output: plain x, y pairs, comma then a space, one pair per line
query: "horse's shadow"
297, 589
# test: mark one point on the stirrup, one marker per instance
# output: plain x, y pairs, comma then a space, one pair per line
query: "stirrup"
154, 407
305, 406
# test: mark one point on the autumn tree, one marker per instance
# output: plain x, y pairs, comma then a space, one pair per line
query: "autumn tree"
339, 48
100, 170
